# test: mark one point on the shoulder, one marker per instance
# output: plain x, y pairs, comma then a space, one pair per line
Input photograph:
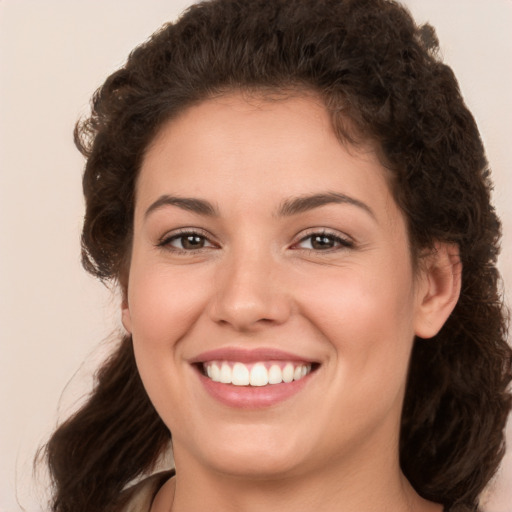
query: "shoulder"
139, 497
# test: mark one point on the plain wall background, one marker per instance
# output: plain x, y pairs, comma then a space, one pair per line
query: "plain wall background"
53, 317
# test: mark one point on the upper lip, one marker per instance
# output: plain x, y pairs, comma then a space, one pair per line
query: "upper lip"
247, 355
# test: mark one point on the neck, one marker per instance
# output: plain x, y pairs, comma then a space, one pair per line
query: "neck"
377, 485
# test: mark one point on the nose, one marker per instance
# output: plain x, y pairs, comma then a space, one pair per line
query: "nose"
249, 292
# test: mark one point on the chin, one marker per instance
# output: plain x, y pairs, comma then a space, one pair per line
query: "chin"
256, 464
263, 454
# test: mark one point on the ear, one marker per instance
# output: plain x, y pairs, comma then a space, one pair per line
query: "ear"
126, 316
439, 288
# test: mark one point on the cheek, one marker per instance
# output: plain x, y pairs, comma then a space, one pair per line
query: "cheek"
359, 301
164, 307
164, 304
369, 329
368, 321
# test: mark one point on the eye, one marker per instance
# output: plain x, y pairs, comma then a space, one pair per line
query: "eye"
186, 241
323, 241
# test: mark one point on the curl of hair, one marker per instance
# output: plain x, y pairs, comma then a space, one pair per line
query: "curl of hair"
95, 452
381, 80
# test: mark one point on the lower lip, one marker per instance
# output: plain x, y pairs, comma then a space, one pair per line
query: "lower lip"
252, 397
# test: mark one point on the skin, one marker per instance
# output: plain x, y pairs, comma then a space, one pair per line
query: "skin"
257, 281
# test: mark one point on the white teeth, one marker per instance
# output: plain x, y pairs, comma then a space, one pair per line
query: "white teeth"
275, 375
240, 375
225, 373
288, 373
215, 373
257, 374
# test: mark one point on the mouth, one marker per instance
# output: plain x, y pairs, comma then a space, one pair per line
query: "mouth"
253, 378
258, 374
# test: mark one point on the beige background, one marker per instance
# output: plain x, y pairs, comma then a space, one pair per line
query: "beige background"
53, 54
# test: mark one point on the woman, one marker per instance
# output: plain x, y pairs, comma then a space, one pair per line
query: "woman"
294, 200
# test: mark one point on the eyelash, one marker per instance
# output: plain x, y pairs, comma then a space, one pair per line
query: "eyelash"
166, 241
339, 241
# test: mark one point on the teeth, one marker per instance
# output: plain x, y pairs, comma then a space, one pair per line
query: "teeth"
215, 371
288, 373
225, 373
275, 375
240, 375
257, 374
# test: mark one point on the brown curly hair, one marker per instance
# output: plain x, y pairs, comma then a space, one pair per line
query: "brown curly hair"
380, 78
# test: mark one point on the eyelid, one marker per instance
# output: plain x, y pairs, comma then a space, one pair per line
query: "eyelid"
163, 241
346, 241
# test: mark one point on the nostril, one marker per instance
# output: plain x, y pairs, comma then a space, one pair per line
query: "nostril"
247, 299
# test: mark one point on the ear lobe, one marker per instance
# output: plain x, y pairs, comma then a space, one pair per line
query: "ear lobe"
439, 290
126, 316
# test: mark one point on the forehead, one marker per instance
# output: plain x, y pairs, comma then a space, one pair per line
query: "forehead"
249, 148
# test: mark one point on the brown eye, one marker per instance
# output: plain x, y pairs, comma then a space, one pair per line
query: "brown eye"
186, 242
191, 242
324, 242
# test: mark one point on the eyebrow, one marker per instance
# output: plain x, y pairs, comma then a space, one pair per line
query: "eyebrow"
199, 206
302, 204
288, 208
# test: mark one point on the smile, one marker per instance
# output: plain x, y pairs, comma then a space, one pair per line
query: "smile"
253, 379
257, 374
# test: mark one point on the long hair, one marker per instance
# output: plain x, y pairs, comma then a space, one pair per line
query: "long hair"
381, 80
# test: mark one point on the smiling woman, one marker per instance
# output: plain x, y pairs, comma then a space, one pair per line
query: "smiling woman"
305, 275
294, 200
261, 290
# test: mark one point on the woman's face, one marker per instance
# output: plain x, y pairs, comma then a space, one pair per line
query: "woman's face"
264, 249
